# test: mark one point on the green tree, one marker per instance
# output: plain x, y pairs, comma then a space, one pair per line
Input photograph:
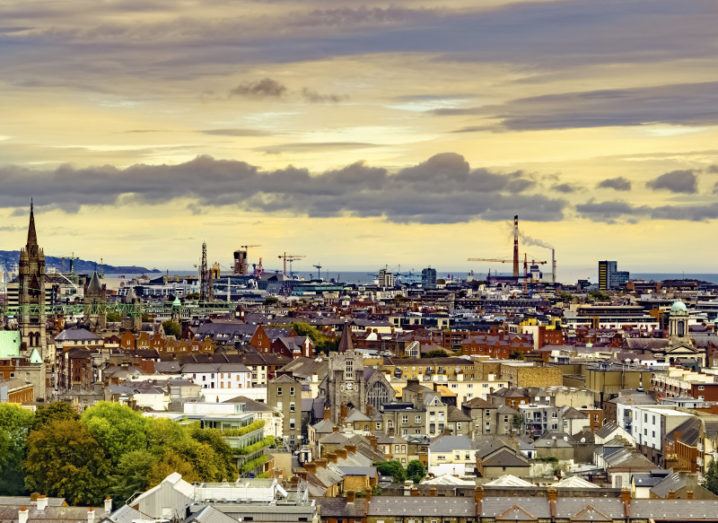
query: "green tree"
113, 316
50, 412
223, 455
163, 433
392, 468
65, 460
322, 342
415, 470
117, 428
710, 480
132, 474
172, 328
15, 423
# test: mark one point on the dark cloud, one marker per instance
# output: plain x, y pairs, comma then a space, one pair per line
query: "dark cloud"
269, 88
552, 36
712, 169
566, 188
264, 88
314, 97
605, 211
443, 189
235, 132
684, 181
618, 183
685, 104
619, 210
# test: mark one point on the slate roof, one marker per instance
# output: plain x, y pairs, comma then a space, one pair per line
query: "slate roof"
460, 507
77, 334
449, 443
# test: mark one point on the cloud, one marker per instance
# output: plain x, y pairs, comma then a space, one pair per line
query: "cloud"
235, 132
618, 183
314, 97
684, 181
685, 104
712, 169
566, 188
270, 88
443, 189
264, 88
315, 146
612, 212
605, 211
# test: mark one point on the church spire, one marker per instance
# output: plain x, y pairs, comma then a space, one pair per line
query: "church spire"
31, 234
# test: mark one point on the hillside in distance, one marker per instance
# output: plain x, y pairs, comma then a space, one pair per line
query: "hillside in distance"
9, 260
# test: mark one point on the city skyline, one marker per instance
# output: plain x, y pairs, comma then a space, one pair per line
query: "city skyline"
401, 134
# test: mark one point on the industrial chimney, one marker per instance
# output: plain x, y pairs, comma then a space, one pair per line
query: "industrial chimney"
516, 247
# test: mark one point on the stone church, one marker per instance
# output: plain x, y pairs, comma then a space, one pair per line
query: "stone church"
351, 385
32, 317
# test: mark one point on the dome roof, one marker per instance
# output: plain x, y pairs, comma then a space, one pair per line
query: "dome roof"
679, 307
178, 302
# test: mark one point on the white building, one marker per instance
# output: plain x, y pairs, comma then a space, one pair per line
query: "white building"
220, 381
652, 423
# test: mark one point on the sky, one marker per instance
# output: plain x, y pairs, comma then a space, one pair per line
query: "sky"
363, 133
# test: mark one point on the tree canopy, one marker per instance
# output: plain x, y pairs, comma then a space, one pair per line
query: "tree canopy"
172, 328
415, 471
392, 468
15, 423
710, 480
322, 342
64, 459
109, 450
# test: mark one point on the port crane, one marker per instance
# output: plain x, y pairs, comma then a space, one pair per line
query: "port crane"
318, 267
289, 258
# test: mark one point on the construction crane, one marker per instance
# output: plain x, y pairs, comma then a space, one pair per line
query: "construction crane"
245, 247
496, 260
289, 258
318, 267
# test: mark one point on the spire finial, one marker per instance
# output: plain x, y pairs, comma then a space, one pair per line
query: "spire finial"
31, 234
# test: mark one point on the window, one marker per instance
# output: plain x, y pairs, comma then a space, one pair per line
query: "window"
349, 370
291, 391
417, 419
279, 391
292, 407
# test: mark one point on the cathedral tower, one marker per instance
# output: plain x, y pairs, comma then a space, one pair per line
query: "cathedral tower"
31, 293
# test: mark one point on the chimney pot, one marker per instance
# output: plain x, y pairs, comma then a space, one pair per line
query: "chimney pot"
91, 515
432, 492
41, 502
414, 491
22, 514
108, 505
350, 496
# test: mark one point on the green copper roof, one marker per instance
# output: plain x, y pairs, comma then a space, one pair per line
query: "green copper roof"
177, 302
9, 344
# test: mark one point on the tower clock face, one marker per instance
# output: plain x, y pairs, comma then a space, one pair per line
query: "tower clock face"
350, 386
